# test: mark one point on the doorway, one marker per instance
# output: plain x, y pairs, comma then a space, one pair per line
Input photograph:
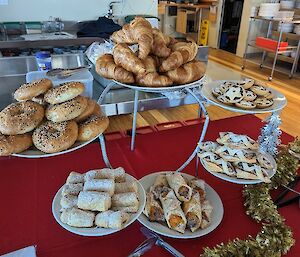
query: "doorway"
230, 24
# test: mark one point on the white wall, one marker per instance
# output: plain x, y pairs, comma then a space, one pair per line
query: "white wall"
78, 10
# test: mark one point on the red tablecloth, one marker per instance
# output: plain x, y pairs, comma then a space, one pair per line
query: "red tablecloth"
28, 186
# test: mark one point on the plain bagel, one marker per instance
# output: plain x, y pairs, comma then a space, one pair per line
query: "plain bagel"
64, 92
51, 137
33, 89
88, 111
14, 144
20, 118
66, 111
92, 127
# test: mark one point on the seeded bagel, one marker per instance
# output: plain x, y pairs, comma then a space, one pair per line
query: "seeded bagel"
64, 92
14, 144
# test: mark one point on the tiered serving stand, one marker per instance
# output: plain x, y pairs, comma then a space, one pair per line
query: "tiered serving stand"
269, 138
190, 88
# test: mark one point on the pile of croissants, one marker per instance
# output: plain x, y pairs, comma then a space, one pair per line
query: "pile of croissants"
160, 61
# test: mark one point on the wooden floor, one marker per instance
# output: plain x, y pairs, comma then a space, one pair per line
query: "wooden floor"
289, 87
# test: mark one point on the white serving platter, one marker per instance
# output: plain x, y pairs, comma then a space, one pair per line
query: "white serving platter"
211, 195
279, 99
94, 231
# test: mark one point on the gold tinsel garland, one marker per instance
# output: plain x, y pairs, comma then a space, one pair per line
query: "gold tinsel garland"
275, 238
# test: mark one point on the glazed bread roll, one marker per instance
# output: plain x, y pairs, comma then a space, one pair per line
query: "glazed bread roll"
153, 210
94, 201
193, 212
64, 92
173, 213
92, 127
68, 201
180, 187
124, 199
125, 187
33, 89
101, 185
117, 174
72, 189
53, 137
20, 118
75, 177
14, 144
68, 110
111, 219
78, 218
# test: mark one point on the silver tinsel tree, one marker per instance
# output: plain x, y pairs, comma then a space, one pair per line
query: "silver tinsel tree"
270, 134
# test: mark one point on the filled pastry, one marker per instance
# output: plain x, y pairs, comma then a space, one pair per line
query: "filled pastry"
180, 187
193, 212
94, 201
111, 219
101, 185
153, 210
77, 218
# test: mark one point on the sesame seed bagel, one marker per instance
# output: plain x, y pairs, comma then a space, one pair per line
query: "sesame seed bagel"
40, 100
14, 144
51, 137
64, 92
20, 118
88, 111
67, 110
30, 90
92, 127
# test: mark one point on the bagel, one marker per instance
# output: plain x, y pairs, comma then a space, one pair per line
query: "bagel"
51, 137
67, 110
97, 110
64, 92
30, 90
40, 100
20, 118
14, 144
88, 111
92, 127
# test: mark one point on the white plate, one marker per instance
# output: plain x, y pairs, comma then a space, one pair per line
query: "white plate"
211, 195
162, 89
35, 153
279, 99
98, 231
241, 180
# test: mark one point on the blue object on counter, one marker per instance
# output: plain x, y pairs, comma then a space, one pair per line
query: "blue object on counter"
44, 60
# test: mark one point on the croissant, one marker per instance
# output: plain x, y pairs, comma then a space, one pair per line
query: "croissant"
187, 73
182, 53
151, 78
106, 67
123, 36
160, 42
124, 57
141, 30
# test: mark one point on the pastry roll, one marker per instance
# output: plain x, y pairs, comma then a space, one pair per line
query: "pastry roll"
102, 185
153, 210
180, 187
117, 174
111, 219
94, 201
124, 199
206, 214
75, 177
160, 184
173, 213
68, 201
125, 187
199, 186
193, 212
72, 189
130, 209
78, 218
